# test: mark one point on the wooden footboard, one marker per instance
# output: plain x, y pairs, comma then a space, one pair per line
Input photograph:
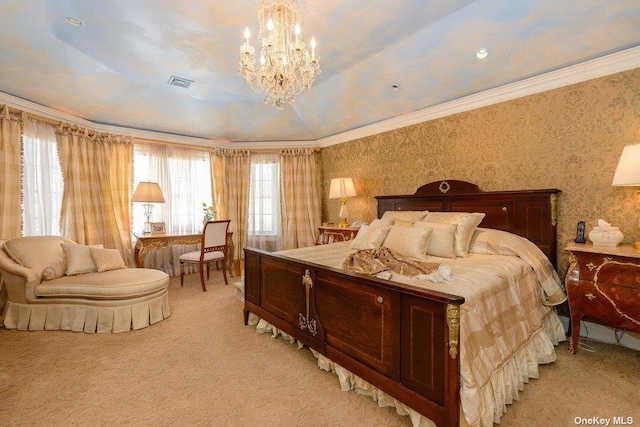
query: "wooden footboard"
401, 339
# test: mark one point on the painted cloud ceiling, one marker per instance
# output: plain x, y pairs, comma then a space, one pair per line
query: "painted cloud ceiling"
114, 69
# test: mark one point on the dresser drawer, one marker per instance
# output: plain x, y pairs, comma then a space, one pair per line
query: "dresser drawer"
617, 305
618, 273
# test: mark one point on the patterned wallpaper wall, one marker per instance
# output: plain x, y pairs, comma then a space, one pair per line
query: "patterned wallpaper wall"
568, 138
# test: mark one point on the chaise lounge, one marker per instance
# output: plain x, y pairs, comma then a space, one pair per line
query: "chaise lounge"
53, 283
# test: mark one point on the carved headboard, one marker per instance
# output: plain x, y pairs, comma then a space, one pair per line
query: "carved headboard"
528, 213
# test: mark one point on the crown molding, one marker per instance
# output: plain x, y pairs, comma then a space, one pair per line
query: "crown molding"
59, 116
600, 67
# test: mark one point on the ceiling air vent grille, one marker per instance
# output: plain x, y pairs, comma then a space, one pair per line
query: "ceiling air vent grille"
179, 81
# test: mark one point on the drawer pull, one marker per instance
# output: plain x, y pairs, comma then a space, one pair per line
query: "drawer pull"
380, 300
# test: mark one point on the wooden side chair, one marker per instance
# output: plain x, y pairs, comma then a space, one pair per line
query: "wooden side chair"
213, 249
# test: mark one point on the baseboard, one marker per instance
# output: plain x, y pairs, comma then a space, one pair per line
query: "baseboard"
605, 334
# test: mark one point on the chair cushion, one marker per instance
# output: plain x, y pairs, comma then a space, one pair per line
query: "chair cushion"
195, 256
114, 284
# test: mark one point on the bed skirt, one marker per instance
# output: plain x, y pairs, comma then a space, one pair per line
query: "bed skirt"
118, 316
501, 390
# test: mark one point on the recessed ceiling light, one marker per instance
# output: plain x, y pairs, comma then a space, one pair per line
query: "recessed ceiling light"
74, 21
395, 88
482, 53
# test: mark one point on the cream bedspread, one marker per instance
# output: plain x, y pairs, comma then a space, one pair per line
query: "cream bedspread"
506, 330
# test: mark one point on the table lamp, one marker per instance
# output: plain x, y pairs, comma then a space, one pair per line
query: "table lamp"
628, 171
341, 188
148, 193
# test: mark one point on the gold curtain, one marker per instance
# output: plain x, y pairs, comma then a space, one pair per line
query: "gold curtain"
218, 193
300, 200
97, 173
236, 167
10, 174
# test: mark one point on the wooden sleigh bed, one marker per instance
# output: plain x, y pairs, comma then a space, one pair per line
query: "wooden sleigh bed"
399, 338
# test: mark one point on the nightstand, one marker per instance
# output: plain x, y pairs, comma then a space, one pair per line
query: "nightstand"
603, 282
330, 234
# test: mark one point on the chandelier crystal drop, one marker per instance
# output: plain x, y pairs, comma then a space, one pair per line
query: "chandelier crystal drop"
286, 67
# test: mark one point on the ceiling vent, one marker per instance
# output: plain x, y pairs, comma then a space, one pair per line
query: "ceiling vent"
179, 81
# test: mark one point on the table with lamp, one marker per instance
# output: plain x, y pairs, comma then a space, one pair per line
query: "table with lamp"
149, 193
340, 188
603, 278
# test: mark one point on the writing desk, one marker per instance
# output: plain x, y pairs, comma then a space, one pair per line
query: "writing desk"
151, 242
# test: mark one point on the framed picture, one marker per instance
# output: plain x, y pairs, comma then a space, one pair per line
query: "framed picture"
158, 228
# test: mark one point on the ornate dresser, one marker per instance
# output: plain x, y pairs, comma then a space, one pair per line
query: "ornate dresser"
604, 283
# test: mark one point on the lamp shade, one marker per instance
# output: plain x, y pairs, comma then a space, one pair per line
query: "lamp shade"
148, 192
341, 188
628, 170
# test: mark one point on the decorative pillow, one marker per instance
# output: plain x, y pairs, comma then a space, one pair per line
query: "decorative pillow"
381, 223
402, 223
369, 237
50, 273
411, 242
466, 222
79, 260
42, 254
405, 215
107, 259
442, 240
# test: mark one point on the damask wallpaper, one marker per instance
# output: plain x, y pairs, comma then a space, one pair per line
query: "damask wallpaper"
569, 138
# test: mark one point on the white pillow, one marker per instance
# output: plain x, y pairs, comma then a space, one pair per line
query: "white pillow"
466, 222
369, 237
79, 259
107, 259
381, 223
408, 241
442, 240
404, 215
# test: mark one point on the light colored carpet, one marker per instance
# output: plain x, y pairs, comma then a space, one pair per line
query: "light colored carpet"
202, 366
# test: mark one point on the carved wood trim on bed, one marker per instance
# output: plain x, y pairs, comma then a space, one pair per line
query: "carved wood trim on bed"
401, 339
529, 213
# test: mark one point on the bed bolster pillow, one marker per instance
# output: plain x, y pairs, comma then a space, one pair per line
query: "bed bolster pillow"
404, 215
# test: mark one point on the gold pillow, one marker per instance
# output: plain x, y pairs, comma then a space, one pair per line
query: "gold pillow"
466, 224
442, 240
411, 242
405, 215
79, 259
107, 259
369, 237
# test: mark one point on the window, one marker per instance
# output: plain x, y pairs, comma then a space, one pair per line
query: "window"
264, 196
42, 183
184, 176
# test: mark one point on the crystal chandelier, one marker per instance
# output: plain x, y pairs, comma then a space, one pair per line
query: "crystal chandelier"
286, 67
